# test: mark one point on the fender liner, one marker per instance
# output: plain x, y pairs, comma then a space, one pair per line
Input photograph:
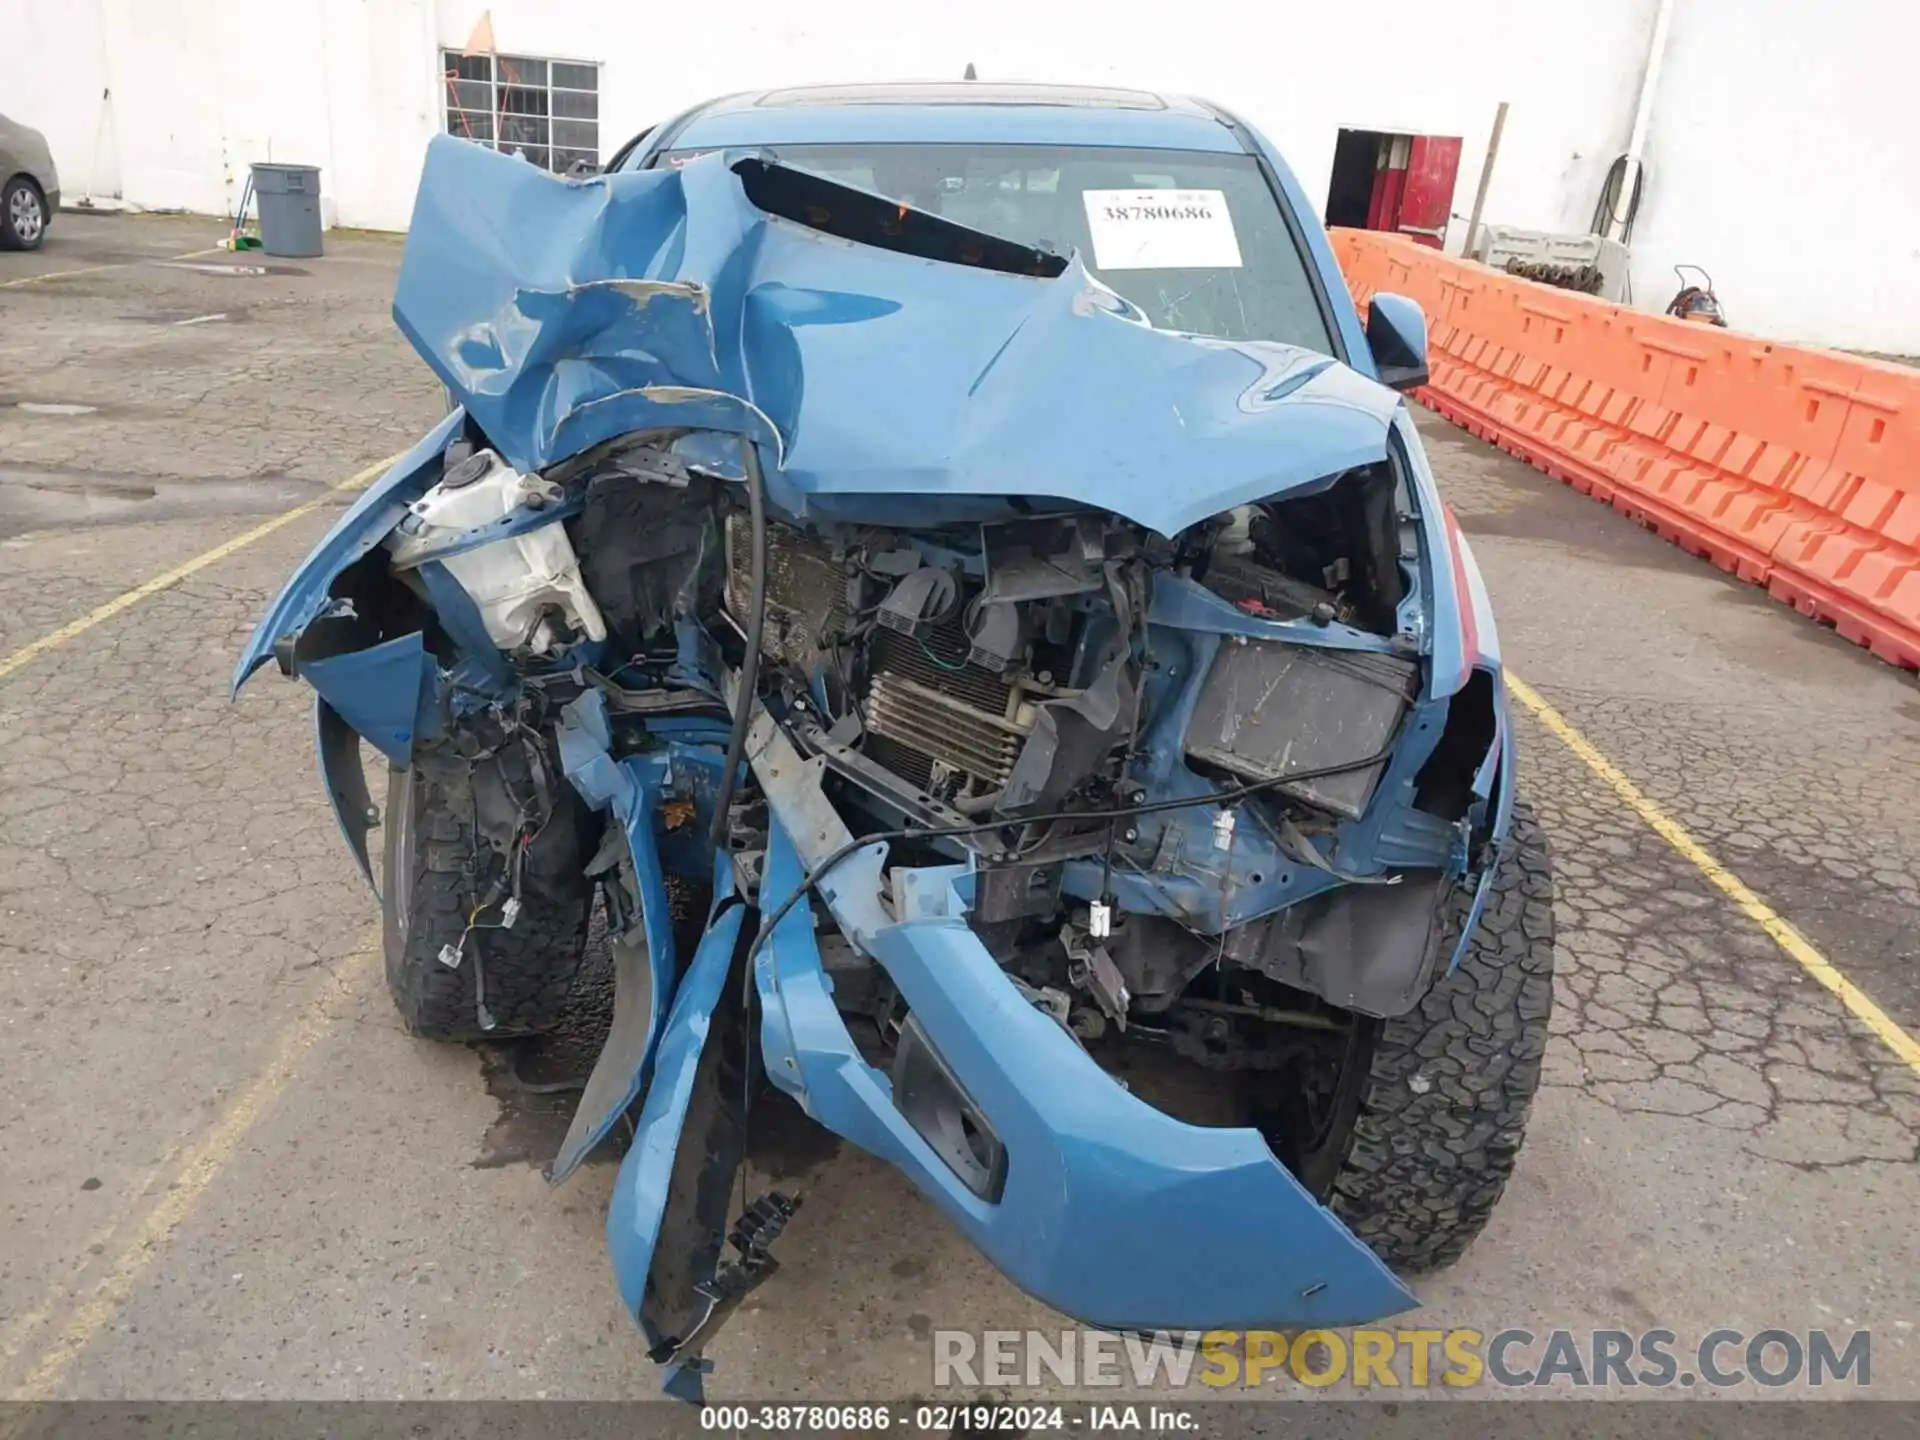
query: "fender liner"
344, 776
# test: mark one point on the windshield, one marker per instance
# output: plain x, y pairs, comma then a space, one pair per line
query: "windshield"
1196, 240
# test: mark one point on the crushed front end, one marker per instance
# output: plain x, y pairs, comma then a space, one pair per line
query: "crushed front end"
1113, 688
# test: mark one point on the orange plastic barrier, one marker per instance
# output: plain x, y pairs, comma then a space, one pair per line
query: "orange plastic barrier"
1794, 468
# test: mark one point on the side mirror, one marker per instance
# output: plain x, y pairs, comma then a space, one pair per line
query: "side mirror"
582, 170
1397, 335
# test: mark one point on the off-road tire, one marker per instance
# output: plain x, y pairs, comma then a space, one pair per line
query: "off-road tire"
430, 889
1444, 1099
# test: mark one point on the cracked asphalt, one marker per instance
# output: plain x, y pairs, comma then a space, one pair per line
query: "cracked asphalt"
229, 1173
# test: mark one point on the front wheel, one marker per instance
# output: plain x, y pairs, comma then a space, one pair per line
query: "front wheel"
438, 873
23, 214
1421, 1117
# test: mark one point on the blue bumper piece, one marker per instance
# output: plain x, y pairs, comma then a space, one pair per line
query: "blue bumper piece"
1110, 1209
646, 968
643, 1187
385, 693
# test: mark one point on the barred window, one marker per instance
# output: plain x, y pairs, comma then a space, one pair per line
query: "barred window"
545, 110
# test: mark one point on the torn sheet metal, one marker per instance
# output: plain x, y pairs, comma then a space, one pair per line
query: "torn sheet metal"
367, 522
647, 975
667, 1220
563, 313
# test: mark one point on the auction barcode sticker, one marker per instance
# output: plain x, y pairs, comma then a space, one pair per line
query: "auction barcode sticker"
1161, 230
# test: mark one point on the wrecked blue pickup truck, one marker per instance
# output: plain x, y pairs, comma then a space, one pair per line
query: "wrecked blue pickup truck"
962, 543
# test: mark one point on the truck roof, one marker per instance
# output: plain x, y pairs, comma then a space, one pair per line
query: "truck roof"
956, 112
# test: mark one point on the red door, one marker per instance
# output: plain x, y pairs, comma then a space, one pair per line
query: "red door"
1384, 209
1426, 195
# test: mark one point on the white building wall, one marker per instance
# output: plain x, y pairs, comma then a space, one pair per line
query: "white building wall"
1778, 158
1784, 157
385, 103
163, 103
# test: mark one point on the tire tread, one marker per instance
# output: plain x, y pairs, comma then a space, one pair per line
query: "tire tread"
529, 969
1451, 1083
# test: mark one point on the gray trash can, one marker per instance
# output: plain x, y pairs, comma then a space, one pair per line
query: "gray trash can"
289, 198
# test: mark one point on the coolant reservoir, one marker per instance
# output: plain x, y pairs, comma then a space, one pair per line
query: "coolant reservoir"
517, 582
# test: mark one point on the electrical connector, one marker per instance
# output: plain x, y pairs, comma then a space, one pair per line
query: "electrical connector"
1223, 830
509, 912
450, 956
1100, 920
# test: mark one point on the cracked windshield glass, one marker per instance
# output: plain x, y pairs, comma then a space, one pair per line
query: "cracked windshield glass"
1196, 240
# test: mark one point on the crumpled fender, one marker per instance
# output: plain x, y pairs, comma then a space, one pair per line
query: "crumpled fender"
365, 525
1493, 785
1461, 631
384, 692
1464, 638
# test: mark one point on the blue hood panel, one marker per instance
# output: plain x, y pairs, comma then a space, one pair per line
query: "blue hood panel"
564, 313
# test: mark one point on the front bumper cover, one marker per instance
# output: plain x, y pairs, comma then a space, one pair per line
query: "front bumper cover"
1112, 1211
1103, 1207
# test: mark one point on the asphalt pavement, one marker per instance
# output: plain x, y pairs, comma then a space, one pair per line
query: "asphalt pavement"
229, 1174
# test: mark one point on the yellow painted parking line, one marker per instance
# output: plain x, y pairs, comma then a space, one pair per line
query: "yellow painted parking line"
1789, 939
202, 1165
169, 578
96, 269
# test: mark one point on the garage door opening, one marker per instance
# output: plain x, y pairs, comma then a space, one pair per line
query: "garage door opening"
1388, 181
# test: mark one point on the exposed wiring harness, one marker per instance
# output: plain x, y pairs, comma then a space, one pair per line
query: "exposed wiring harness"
525, 833
1122, 812
756, 626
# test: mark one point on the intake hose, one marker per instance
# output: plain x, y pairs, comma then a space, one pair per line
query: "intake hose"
756, 624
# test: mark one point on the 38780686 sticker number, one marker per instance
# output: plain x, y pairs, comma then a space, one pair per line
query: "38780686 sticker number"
1161, 230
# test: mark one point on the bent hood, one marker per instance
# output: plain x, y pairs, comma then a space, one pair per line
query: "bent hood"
564, 313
